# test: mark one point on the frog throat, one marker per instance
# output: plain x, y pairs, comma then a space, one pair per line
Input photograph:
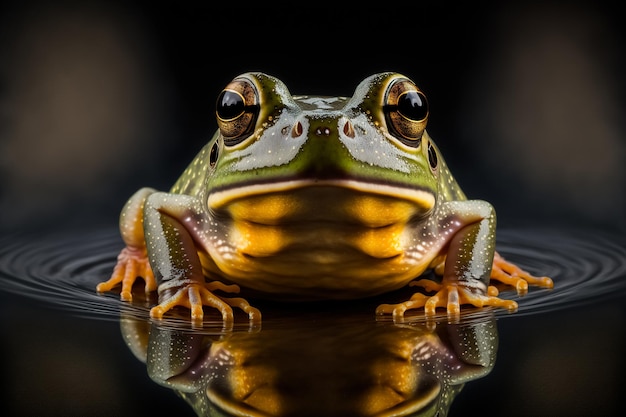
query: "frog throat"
312, 200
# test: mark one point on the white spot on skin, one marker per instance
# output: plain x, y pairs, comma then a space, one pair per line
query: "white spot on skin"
385, 153
262, 153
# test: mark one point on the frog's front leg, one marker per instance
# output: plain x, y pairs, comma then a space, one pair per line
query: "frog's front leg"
132, 262
469, 253
173, 231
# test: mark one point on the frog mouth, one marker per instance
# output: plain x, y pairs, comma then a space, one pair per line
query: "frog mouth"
345, 201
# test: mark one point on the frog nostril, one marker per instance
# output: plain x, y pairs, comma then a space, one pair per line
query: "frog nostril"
323, 131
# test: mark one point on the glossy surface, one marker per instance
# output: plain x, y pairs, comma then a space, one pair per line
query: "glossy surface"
101, 98
315, 364
309, 198
279, 357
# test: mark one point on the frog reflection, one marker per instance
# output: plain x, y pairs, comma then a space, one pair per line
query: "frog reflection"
323, 366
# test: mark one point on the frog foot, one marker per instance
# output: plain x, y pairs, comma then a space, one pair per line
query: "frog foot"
196, 295
511, 274
132, 263
448, 295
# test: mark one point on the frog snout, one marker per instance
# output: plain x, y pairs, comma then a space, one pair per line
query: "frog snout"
332, 128
323, 131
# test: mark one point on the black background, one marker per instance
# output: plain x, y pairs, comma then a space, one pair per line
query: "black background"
98, 99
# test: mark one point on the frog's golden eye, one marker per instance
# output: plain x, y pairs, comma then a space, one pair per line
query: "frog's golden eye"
406, 111
237, 109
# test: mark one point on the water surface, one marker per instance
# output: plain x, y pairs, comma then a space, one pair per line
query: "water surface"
60, 271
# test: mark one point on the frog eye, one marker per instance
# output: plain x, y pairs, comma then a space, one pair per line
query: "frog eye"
237, 109
406, 111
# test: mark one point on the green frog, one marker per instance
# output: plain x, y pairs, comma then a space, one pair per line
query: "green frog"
315, 198
318, 363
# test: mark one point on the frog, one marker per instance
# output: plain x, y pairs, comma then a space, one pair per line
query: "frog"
304, 197
305, 364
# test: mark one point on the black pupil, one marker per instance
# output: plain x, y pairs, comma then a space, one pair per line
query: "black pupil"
412, 105
229, 105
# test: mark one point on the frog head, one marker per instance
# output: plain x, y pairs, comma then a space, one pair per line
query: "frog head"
279, 158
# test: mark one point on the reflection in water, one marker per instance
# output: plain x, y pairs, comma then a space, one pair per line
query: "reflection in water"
348, 359
324, 364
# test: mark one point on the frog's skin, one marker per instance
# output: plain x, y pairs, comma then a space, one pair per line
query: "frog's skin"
300, 197
324, 364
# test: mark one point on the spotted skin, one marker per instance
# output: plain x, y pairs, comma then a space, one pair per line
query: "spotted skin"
309, 198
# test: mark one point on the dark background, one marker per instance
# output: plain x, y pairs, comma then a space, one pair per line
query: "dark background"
98, 99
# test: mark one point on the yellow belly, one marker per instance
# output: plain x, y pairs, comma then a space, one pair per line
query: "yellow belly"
333, 272
318, 242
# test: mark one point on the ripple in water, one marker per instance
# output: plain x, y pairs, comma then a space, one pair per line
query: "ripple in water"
63, 270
